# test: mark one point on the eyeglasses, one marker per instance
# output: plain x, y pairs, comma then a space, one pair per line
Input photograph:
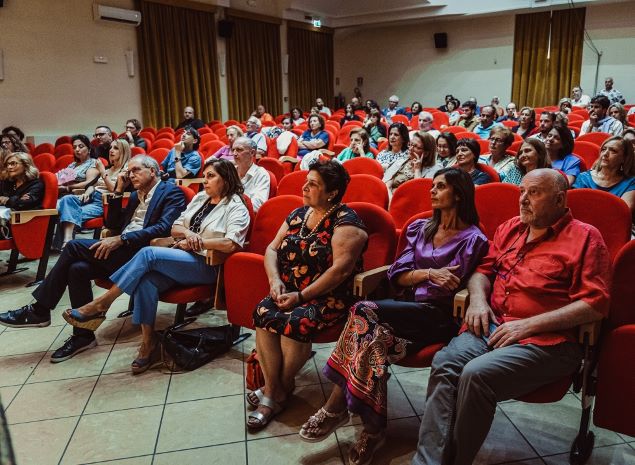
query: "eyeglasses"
496, 140
13, 163
418, 148
100, 134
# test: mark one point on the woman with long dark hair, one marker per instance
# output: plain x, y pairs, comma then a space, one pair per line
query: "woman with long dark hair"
440, 255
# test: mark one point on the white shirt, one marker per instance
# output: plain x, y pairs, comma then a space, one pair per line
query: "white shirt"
256, 183
136, 222
259, 139
608, 125
583, 102
325, 109
229, 219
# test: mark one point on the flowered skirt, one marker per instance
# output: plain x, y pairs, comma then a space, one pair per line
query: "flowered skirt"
376, 335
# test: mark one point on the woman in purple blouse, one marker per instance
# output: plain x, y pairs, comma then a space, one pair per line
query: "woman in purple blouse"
225, 153
440, 255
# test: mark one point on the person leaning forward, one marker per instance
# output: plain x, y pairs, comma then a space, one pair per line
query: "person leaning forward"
150, 212
545, 274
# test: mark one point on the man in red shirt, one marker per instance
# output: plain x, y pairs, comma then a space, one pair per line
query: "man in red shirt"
545, 274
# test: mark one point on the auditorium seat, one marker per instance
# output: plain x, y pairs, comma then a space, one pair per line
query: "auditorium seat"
496, 203
366, 188
63, 140
409, 199
163, 144
63, 149
63, 161
291, 184
159, 154
44, 162
364, 165
493, 174
597, 138
587, 151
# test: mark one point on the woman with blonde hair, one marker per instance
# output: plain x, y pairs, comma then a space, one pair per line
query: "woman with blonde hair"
22, 189
74, 210
421, 162
225, 153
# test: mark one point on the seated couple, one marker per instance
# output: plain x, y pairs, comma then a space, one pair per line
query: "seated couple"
545, 273
217, 218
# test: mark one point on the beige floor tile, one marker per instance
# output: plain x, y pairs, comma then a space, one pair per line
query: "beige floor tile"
124, 390
143, 460
620, 454
28, 340
121, 356
287, 450
401, 441
305, 401
226, 454
320, 358
53, 399
414, 384
551, 428
88, 363
114, 435
8, 393
202, 423
41, 442
129, 332
626, 437
308, 374
503, 443
398, 404
16, 369
221, 377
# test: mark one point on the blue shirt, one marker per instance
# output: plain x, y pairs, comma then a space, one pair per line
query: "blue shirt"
568, 165
307, 136
482, 132
586, 180
191, 161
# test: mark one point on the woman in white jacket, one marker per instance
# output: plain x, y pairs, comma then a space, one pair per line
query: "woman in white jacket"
216, 219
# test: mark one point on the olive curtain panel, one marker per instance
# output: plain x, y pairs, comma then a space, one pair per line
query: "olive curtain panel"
310, 67
254, 67
177, 64
547, 56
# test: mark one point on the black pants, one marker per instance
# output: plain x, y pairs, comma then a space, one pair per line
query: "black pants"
76, 268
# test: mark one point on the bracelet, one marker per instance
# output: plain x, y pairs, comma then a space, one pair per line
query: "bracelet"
412, 278
300, 298
429, 274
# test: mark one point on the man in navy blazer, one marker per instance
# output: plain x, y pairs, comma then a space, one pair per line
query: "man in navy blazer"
393, 108
150, 212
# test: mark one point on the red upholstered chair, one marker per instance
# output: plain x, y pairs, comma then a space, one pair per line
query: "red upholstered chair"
493, 174
496, 203
484, 144
63, 161
363, 165
165, 130
410, 198
468, 135
163, 144
291, 184
614, 406
510, 124
44, 148
273, 166
268, 220
605, 211
337, 148
44, 162
63, 149
587, 151
137, 151
63, 140
401, 119
231, 122
367, 188
210, 147
292, 150
32, 231
597, 138
456, 130
515, 146
344, 137
159, 154
357, 124
207, 136
441, 120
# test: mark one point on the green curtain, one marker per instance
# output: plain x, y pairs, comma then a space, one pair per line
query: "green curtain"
310, 67
177, 64
254, 68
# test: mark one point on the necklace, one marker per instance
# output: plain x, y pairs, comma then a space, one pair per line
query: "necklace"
306, 217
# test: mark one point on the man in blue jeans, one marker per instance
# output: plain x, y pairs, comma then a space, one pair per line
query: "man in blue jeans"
150, 212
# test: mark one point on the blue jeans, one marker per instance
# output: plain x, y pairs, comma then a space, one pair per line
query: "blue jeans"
156, 269
72, 211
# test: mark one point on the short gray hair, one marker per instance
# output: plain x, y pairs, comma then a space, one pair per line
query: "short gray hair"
393, 97
147, 162
426, 115
244, 140
255, 120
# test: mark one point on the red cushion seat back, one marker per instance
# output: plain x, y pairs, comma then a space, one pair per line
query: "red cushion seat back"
292, 183
363, 165
410, 198
366, 188
496, 203
268, 220
382, 239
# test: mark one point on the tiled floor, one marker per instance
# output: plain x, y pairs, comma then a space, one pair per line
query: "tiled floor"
90, 409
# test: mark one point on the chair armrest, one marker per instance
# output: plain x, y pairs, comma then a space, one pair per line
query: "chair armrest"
106, 197
293, 160
367, 282
21, 217
162, 241
216, 257
187, 181
461, 301
78, 191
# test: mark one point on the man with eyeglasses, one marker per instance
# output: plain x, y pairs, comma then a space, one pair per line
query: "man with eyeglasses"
393, 108
151, 210
103, 134
189, 120
133, 126
545, 274
510, 113
487, 121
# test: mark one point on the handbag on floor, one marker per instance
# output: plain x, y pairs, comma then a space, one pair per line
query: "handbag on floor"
187, 350
254, 379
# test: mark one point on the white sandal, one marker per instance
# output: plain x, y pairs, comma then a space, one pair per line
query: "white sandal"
258, 420
312, 430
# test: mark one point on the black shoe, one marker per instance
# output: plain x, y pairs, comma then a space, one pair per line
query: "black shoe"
199, 307
24, 317
73, 346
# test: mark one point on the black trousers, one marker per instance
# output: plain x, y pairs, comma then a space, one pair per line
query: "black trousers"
76, 268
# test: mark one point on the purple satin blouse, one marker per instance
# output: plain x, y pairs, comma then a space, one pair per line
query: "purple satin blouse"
465, 249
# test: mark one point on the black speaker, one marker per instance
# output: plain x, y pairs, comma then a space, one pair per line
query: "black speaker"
441, 40
225, 29
1, 3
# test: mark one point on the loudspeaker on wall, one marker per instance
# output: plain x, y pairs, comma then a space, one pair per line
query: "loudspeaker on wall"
441, 40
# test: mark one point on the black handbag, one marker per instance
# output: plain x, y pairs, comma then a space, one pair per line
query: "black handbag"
186, 350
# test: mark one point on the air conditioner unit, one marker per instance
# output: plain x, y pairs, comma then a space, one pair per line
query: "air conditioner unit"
116, 15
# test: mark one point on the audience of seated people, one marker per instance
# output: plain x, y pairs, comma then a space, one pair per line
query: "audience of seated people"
312, 291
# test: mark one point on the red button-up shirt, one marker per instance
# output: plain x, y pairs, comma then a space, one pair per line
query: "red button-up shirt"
569, 262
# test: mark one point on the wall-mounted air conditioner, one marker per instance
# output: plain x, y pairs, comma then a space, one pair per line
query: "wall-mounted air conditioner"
116, 15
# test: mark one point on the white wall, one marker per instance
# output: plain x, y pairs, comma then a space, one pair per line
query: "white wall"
478, 61
51, 84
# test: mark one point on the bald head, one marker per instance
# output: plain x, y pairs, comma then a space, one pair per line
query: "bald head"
542, 197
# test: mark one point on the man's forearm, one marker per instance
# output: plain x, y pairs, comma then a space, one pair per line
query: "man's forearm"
479, 287
574, 314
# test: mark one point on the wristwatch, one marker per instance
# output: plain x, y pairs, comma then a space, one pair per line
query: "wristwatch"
176, 159
124, 238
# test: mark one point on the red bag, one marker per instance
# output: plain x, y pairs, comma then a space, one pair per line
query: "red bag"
254, 377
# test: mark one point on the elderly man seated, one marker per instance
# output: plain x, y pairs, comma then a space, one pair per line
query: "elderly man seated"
150, 212
599, 120
425, 124
253, 132
254, 178
545, 274
393, 108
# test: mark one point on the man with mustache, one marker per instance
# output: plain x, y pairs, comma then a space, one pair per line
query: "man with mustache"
599, 120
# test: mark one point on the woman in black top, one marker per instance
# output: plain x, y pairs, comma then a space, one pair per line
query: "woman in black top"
349, 115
